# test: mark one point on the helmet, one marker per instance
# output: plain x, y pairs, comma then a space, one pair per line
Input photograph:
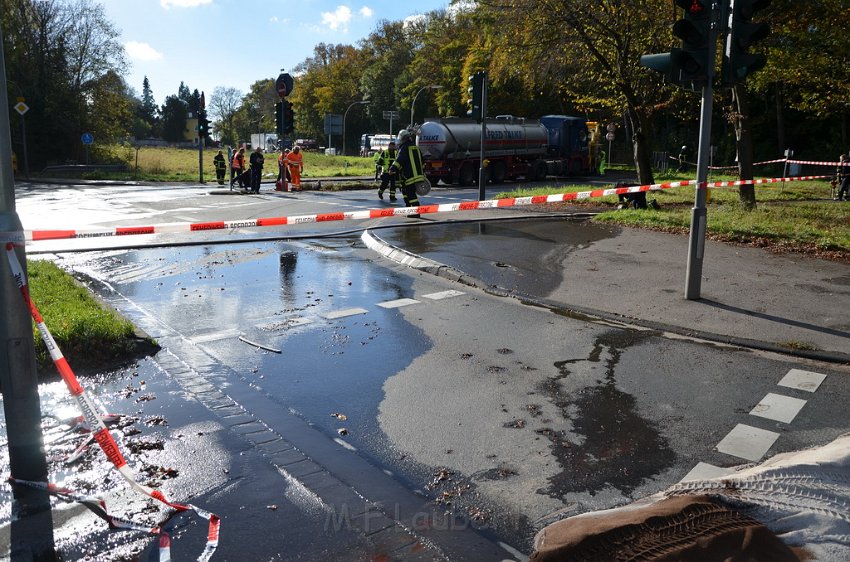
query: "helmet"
405, 135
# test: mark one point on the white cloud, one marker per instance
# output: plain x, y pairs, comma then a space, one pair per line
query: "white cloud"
366, 12
183, 3
141, 51
413, 20
338, 19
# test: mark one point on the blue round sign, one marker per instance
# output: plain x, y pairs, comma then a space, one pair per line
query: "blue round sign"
87, 138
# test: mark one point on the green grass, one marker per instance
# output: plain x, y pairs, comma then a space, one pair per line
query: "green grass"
88, 333
161, 164
797, 216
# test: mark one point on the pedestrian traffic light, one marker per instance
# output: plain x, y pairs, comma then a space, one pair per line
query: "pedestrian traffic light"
476, 95
692, 65
738, 63
288, 118
203, 124
278, 118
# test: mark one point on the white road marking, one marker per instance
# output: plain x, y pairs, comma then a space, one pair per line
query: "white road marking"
397, 303
747, 442
705, 471
778, 408
802, 380
343, 313
443, 295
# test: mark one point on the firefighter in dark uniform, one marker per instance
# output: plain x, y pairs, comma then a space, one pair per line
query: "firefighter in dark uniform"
409, 168
220, 163
843, 176
386, 160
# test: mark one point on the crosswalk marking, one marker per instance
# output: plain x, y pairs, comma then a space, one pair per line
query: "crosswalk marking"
747, 442
778, 408
397, 303
802, 380
333, 315
443, 295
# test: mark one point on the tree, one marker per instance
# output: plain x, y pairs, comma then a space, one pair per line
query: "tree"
224, 103
589, 50
174, 114
148, 109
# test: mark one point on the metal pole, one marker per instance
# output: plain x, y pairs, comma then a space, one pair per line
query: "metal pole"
482, 168
18, 380
200, 157
699, 214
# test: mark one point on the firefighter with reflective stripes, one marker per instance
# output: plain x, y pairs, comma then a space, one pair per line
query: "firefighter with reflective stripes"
409, 168
387, 157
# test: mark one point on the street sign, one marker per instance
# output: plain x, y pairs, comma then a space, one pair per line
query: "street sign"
87, 138
21, 107
390, 114
611, 128
333, 124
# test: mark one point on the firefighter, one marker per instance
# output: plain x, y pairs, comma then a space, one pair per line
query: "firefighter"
257, 160
388, 156
220, 167
282, 171
237, 168
295, 165
409, 169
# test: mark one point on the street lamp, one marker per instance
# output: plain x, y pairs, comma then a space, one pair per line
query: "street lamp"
344, 115
412, 105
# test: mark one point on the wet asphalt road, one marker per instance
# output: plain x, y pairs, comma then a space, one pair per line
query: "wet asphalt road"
509, 414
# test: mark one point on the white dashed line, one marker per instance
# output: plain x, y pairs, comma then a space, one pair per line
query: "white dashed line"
443, 295
344, 313
747, 442
398, 303
802, 380
705, 471
778, 408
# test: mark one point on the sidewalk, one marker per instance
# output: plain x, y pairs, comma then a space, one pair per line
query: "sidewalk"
749, 297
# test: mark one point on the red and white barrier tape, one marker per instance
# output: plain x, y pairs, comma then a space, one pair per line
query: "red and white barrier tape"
183, 227
95, 420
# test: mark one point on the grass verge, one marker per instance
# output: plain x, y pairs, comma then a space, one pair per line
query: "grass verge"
799, 216
90, 335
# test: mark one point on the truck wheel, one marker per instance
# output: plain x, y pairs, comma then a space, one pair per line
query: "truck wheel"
433, 180
540, 170
497, 172
467, 175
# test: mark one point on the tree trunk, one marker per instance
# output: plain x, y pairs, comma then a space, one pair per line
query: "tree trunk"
643, 161
744, 145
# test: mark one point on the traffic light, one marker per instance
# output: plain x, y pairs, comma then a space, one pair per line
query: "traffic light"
288, 118
476, 95
203, 124
692, 65
278, 118
738, 63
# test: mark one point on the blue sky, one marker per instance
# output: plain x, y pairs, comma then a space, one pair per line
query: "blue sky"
210, 43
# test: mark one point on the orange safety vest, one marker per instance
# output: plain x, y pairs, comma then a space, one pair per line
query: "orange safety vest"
295, 160
239, 161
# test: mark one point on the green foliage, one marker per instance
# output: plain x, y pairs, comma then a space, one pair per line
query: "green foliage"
86, 331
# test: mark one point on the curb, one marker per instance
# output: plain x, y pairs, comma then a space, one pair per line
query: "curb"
403, 257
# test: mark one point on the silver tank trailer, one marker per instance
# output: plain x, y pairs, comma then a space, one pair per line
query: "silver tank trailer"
445, 139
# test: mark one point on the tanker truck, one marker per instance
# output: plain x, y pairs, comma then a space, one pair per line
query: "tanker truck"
514, 147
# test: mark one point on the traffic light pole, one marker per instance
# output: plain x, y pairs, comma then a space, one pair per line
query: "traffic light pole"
18, 381
699, 213
482, 168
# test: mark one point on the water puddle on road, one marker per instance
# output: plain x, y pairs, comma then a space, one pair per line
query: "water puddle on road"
610, 444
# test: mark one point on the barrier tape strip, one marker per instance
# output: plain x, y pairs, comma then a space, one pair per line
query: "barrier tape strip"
776, 161
183, 227
95, 420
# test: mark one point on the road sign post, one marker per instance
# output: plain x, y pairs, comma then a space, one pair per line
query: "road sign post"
87, 139
22, 108
391, 115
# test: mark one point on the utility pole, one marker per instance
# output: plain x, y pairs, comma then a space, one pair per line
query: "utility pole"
18, 380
